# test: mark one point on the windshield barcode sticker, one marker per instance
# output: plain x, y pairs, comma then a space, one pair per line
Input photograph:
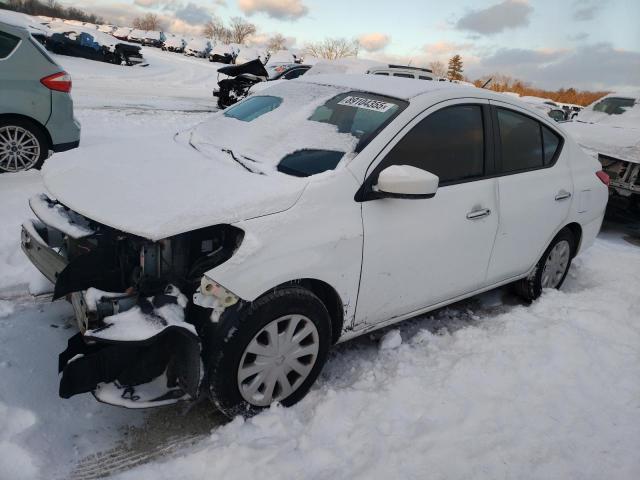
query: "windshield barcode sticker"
367, 103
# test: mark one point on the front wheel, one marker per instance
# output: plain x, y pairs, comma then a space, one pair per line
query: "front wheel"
271, 350
551, 270
22, 146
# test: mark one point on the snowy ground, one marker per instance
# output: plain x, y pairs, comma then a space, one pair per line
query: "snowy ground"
488, 388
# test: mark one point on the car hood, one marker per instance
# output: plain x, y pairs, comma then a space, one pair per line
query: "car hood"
618, 142
163, 188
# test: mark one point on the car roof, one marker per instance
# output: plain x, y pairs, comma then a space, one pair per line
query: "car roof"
402, 88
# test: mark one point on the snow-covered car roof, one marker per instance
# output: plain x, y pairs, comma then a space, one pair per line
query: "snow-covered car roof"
153, 35
123, 31
136, 33
23, 20
344, 66
611, 126
102, 38
174, 42
223, 48
381, 85
198, 43
620, 109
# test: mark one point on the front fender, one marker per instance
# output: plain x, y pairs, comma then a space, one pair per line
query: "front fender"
319, 238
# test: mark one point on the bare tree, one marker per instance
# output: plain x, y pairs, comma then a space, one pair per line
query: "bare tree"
150, 21
333, 48
240, 29
277, 42
438, 68
216, 29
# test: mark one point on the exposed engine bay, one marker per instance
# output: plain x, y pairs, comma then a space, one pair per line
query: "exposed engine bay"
139, 342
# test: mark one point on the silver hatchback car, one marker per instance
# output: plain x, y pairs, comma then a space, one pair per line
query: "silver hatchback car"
36, 109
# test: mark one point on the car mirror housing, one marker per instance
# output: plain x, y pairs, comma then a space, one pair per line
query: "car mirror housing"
405, 181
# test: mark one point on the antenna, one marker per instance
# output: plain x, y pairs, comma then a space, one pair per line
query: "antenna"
486, 83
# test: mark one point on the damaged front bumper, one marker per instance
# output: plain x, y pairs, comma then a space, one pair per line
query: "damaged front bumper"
132, 350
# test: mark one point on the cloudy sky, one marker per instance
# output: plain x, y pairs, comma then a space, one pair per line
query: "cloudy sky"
550, 43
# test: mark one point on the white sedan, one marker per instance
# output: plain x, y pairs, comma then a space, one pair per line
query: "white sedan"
231, 260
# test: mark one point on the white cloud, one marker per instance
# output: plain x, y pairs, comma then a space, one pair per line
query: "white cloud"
280, 9
496, 18
446, 48
594, 66
374, 42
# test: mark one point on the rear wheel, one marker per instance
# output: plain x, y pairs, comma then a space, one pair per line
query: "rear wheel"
23, 146
551, 270
270, 351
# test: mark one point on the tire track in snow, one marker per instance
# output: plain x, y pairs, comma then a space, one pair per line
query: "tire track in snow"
165, 433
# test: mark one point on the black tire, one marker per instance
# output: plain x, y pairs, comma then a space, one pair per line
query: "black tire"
224, 347
530, 287
37, 132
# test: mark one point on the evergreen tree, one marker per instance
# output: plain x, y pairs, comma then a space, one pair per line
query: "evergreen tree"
455, 70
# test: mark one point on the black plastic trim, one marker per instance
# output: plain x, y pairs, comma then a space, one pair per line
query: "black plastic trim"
63, 147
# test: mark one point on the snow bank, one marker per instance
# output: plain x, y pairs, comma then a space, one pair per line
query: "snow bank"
16, 462
16, 272
545, 391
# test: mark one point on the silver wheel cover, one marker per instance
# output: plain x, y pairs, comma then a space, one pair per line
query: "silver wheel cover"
556, 264
19, 149
278, 359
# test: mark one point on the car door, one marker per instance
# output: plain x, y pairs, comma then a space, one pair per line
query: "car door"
419, 252
535, 189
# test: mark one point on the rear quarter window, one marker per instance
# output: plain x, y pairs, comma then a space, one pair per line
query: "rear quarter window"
8, 44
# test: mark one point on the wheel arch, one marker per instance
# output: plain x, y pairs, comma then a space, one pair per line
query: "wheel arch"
35, 123
576, 230
327, 295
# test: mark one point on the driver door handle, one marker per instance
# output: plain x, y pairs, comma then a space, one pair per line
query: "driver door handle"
477, 214
562, 195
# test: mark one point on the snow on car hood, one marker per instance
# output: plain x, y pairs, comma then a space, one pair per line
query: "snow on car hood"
161, 188
614, 134
611, 140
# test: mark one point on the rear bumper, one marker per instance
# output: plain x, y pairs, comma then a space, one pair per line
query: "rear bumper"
63, 147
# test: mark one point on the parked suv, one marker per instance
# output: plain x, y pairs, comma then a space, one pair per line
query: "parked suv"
320, 210
36, 110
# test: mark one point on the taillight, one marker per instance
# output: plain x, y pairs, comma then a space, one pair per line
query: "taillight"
60, 82
604, 178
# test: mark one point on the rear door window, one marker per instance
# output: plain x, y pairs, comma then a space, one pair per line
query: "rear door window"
551, 143
8, 44
520, 141
403, 75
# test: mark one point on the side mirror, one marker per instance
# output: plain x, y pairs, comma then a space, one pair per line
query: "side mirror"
405, 181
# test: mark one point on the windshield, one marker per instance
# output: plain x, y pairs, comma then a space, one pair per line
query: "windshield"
614, 105
278, 69
297, 128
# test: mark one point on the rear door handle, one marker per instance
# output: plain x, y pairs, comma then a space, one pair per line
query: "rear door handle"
476, 214
562, 195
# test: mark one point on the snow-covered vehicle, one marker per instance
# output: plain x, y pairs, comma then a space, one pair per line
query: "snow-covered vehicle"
38, 30
174, 44
122, 33
403, 71
110, 29
234, 81
224, 53
153, 38
136, 35
609, 130
198, 47
92, 44
276, 73
328, 208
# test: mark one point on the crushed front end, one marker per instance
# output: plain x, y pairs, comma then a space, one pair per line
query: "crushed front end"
139, 343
